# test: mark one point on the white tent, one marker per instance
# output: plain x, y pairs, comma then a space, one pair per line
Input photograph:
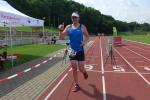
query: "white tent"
9, 16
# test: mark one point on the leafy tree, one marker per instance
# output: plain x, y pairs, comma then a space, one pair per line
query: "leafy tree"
58, 11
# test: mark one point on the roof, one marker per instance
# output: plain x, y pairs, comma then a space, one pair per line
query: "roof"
10, 15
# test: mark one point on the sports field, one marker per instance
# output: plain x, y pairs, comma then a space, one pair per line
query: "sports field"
139, 38
143, 37
30, 52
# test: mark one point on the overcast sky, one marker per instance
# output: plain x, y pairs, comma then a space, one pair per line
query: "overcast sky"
125, 10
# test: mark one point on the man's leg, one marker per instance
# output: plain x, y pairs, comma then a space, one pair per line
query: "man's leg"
82, 69
74, 65
74, 68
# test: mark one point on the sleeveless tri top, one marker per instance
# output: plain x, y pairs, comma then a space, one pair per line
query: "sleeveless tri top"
76, 36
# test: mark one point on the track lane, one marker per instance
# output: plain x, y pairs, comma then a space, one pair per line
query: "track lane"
138, 48
140, 45
128, 84
90, 89
119, 85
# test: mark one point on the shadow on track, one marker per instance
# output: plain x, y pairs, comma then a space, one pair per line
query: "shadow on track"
97, 95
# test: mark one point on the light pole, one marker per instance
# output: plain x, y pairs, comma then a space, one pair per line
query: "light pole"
49, 20
57, 21
43, 27
54, 20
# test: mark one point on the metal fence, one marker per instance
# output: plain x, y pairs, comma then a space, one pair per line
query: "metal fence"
23, 37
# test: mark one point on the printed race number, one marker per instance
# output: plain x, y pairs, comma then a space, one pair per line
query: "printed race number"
88, 67
118, 69
147, 68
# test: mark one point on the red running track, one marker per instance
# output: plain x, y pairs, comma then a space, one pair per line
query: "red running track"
124, 81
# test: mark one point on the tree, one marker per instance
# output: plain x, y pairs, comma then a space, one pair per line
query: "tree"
58, 11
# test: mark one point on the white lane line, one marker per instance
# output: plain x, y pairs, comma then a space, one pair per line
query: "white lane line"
55, 56
146, 68
13, 76
70, 69
134, 68
37, 65
44, 61
137, 53
104, 89
27, 70
50, 58
46, 98
102, 65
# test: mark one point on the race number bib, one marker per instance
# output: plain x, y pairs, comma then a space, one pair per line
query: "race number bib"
71, 52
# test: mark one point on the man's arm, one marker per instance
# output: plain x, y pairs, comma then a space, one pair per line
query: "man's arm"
86, 34
64, 32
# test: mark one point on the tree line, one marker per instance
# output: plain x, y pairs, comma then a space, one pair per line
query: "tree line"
55, 12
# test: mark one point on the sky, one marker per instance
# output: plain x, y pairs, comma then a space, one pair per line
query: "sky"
124, 10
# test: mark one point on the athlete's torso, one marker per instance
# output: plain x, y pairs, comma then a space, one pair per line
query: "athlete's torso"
76, 36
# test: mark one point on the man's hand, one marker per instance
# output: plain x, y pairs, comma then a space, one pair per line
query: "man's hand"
82, 43
63, 31
61, 27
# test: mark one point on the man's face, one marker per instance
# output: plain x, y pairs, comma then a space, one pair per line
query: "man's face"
74, 19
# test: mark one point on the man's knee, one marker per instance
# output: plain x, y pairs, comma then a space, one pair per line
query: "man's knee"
74, 67
74, 64
81, 68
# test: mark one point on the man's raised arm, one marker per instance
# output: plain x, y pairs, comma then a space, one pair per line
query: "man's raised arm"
63, 32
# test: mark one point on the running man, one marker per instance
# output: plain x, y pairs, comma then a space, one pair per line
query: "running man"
78, 36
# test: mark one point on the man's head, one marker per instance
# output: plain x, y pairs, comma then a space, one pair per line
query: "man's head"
75, 17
